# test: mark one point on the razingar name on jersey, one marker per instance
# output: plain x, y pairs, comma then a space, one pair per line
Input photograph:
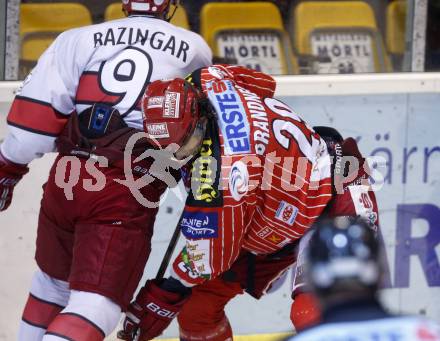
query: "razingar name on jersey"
156, 40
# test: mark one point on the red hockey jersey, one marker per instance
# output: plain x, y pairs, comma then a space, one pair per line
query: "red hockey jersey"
261, 179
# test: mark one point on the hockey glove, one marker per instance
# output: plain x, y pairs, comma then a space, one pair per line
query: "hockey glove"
305, 311
152, 311
10, 174
355, 197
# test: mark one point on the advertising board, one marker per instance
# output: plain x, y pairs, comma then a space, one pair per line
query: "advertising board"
395, 117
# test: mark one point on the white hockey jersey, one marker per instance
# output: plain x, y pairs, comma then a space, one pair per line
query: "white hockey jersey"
111, 63
404, 328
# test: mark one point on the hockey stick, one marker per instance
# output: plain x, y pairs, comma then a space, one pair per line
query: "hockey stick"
169, 252
161, 272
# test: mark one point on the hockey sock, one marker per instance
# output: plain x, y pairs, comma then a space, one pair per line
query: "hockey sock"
87, 317
46, 299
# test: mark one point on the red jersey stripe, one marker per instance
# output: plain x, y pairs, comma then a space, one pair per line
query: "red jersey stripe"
89, 91
36, 116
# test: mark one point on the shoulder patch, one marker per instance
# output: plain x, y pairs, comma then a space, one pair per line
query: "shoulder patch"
286, 213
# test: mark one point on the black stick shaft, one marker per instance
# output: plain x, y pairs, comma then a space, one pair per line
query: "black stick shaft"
169, 252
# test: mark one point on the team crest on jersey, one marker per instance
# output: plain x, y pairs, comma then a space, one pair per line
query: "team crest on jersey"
238, 180
172, 103
158, 130
232, 116
286, 213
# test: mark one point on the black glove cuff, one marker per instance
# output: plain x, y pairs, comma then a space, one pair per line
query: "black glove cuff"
173, 285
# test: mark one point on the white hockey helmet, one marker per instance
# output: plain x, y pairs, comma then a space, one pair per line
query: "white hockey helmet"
157, 8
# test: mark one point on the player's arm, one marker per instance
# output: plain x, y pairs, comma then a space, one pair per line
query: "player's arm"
255, 81
10, 174
41, 107
352, 196
39, 111
259, 83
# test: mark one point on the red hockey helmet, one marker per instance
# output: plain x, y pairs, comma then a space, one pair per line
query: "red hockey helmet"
157, 8
172, 114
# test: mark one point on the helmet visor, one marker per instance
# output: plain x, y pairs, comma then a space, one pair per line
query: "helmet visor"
192, 143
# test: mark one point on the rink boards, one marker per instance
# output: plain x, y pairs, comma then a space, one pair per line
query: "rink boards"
394, 116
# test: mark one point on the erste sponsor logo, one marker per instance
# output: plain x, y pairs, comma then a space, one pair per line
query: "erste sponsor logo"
232, 117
